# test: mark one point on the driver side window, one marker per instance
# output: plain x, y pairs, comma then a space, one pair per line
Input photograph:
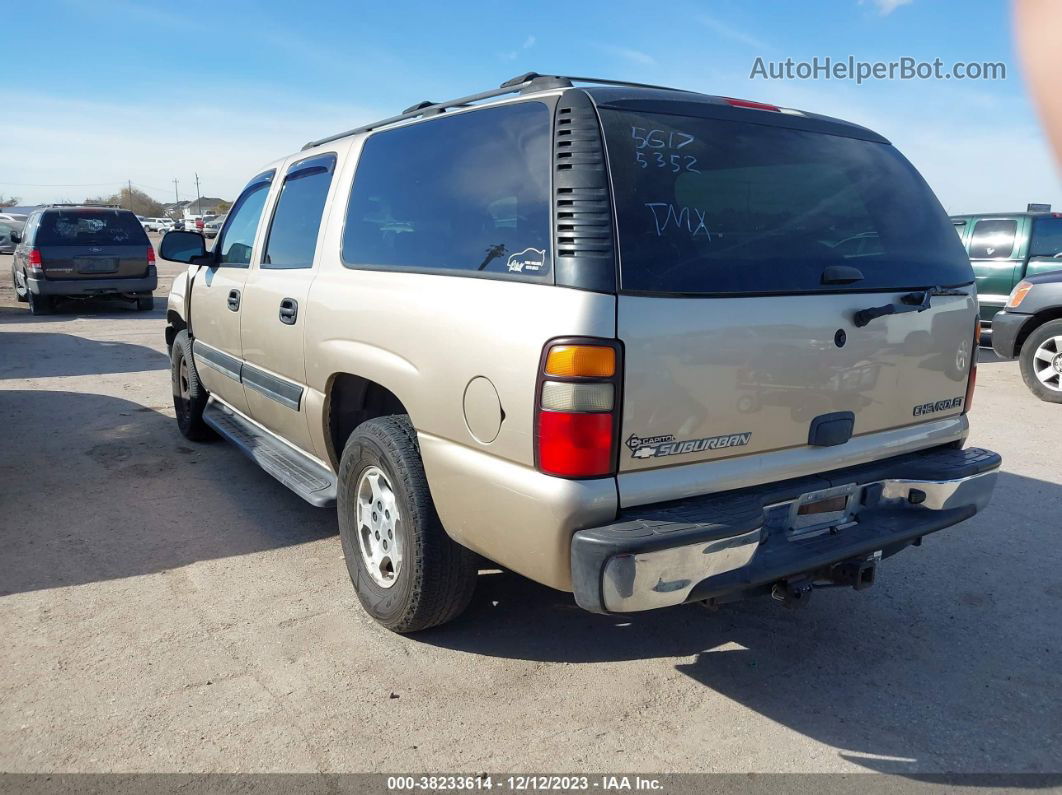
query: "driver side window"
237, 238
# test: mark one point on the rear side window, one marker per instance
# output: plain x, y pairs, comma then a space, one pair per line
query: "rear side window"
993, 238
468, 193
1046, 238
714, 206
237, 238
89, 228
292, 239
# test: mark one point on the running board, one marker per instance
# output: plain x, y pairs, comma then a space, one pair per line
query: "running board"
297, 471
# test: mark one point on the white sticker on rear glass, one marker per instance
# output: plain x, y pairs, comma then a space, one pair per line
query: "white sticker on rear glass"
530, 260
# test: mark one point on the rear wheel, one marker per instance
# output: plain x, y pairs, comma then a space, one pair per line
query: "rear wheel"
21, 291
1041, 362
189, 394
40, 304
407, 572
145, 303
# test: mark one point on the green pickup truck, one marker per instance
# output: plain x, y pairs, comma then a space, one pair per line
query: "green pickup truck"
1004, 248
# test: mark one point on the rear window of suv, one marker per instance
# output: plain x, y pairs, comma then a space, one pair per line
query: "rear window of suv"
89, 228
712, 206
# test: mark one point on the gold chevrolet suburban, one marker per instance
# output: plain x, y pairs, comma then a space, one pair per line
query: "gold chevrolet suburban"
639, 344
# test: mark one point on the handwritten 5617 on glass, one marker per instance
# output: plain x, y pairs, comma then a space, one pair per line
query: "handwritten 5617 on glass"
659, 148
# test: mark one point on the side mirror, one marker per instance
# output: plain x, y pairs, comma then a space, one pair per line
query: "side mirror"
15, 236
186, 247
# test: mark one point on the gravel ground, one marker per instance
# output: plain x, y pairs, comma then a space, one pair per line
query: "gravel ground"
167, 607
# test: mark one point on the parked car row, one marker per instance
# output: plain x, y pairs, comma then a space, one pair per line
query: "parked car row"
1017, 263
201, 224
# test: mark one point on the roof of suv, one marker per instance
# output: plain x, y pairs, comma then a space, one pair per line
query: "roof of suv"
604, 92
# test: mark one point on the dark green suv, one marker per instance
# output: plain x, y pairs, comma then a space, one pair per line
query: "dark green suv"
1004, 248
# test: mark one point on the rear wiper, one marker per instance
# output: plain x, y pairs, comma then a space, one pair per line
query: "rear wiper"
912, 302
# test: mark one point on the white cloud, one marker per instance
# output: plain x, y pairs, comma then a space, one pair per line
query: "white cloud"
728, 32
886, 7
512, 55
628, 54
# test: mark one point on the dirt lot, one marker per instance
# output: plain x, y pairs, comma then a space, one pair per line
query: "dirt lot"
166, 606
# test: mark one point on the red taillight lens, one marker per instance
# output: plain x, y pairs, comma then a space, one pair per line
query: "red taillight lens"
971, 382
577, 407
151, 255
34, 260
575, 445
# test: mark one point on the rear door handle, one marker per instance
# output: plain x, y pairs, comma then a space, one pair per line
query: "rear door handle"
289, 310
234, 300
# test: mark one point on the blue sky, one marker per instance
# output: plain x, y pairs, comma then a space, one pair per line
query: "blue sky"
116, 90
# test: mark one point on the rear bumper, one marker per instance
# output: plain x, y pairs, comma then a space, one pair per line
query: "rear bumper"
1006, 326
142, 284
729, 545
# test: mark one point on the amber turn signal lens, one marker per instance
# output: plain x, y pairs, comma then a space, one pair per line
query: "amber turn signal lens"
1016, 297
592, 361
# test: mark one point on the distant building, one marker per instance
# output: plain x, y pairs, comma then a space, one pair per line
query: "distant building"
194, 208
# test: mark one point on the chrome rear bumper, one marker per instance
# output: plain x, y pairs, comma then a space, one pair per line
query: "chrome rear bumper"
729, 545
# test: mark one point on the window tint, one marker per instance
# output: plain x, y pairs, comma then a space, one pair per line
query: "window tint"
292, 237
1046, 238
712, 206
237, 239
470, 193
90, 228
993, 239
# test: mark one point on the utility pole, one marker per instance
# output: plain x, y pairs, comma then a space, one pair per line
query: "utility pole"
130, 194
198, 198
176, 198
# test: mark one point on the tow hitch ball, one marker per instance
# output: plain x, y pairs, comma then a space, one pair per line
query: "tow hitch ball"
793, 593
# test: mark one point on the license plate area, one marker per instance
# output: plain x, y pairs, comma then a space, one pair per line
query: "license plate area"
96, 264
815, 512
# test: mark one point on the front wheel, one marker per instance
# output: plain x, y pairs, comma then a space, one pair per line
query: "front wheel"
407, 572
1041, 362
189, 394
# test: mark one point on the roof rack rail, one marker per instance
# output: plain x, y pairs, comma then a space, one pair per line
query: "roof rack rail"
521, 84
84, 204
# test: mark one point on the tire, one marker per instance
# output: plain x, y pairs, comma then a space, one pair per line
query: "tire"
39, 304
21, 297
1041, 362
145, 303
189, 394
433, 579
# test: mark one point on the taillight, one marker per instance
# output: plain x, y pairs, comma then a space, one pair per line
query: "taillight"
577, 408
151, 255
34, 260
971, 382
